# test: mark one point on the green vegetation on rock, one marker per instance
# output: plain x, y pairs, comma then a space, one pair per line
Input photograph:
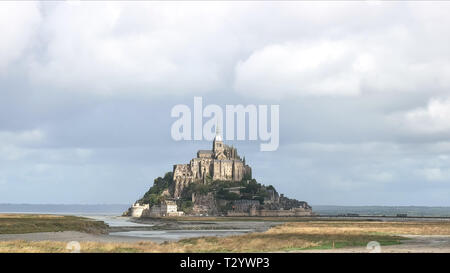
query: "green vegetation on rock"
154, 195
162, 187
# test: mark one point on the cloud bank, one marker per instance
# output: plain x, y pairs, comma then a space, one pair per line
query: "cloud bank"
86, 91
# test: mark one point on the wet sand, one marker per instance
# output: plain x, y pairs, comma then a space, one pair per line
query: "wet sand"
67, 236
124, 229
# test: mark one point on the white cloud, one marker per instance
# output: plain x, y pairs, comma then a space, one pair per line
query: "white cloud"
13, 144
12, 152
18, 25
190, 47
290, 69
22, 137
117, 47
434, 118
376, 59
434, 174
375, 62
83, 153
27, 145
382, 176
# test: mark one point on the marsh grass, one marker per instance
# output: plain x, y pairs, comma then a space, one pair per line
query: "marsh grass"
28, 223
370, 228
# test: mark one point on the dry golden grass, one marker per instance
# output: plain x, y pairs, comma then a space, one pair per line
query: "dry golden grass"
243, 243
96, 247
368, 227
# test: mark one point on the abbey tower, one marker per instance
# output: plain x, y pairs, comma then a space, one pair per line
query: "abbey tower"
220, 163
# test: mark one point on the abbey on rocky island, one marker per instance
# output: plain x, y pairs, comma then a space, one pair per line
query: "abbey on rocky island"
220, 163
217, 182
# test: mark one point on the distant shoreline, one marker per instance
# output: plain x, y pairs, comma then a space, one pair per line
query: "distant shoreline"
322, 210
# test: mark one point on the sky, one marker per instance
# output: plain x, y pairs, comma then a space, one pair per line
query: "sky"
86, 92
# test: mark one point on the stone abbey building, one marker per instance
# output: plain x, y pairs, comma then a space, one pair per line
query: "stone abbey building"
169, 196
220, 163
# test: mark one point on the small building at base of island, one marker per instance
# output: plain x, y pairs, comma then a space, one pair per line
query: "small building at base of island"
166, 208
137, 209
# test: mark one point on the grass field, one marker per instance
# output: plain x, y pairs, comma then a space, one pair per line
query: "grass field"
27, 223
286, 237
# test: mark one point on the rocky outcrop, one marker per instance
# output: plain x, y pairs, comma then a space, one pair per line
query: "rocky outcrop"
204, 204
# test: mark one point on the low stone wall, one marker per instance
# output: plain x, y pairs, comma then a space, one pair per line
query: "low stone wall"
271, 213
282, 213
237, 213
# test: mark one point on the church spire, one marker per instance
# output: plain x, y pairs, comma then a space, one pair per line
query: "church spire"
218, 133
218, 147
